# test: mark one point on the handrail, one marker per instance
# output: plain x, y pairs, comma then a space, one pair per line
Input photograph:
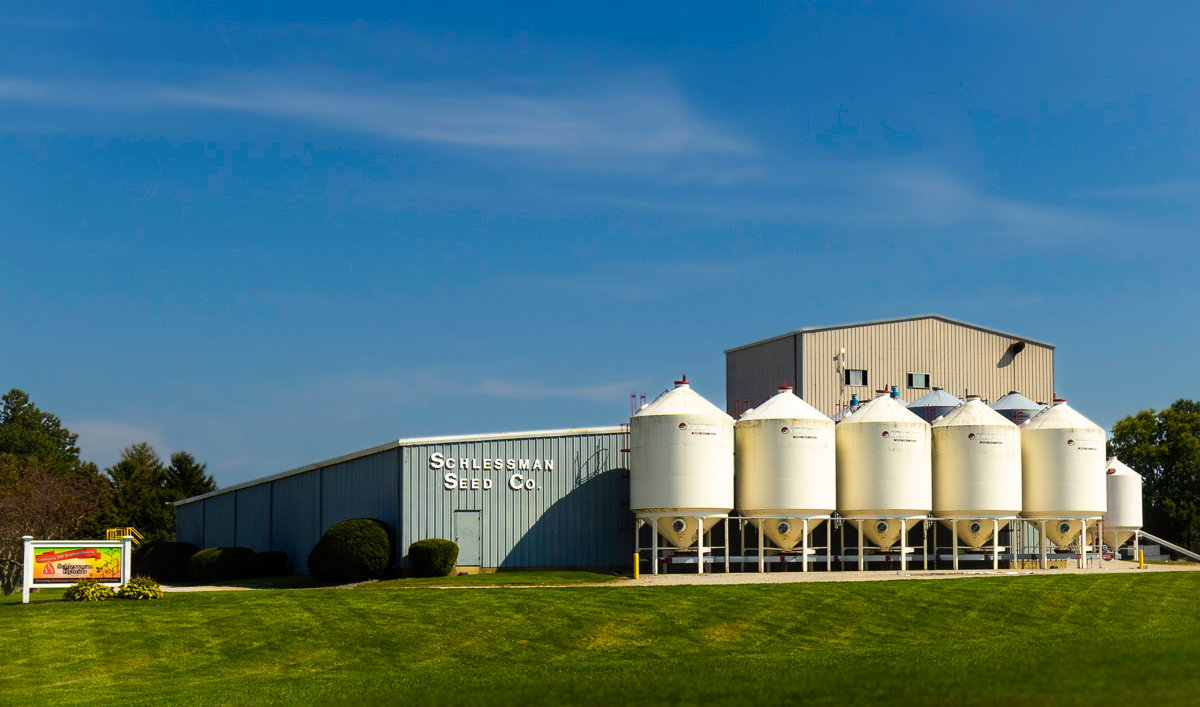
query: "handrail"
1170, 545
118, 533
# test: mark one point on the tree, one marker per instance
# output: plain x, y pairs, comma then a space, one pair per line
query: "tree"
1164, 447
186, 477
36, 500
26, 431
140, 497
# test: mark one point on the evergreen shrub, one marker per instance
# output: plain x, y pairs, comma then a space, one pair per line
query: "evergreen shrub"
354, 550
272, 563
140, 588
164, 561
88, 590
433, 557
217, 564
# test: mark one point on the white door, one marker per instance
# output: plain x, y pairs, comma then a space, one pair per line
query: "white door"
466, 534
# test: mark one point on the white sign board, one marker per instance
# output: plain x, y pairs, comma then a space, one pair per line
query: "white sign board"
61, 563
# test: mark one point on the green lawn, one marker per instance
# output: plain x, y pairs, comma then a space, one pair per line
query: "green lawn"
498, 579
1069, 639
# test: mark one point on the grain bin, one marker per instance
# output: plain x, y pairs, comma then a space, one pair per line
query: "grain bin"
976, 471
785, 467
883, 469
1016, 407
1062, 471
1124, 516
933, 405
681, 464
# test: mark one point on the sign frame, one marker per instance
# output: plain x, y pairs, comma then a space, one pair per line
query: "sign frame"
32, 546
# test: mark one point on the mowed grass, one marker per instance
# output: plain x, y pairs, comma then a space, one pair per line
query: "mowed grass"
1069, 639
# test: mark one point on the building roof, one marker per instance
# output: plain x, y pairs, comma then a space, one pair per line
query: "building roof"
939, 317
409, 442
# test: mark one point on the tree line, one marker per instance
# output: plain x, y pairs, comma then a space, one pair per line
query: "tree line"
1164, 447
49, 492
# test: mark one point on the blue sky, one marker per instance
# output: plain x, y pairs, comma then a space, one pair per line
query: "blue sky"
274, 233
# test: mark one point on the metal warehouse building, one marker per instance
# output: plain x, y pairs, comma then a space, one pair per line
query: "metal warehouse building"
828, 365
555, 498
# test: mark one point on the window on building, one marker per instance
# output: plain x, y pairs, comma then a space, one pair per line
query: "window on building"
855, 376
918, 380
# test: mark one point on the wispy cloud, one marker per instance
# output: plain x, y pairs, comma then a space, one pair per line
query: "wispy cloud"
102, 441
879, 200
1178, 191
416, 387
651, 119
536, 390
629, 282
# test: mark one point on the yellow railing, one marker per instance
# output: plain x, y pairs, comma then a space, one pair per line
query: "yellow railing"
118, 533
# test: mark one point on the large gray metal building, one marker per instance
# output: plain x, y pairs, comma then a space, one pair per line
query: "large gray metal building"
555, 498
828, 365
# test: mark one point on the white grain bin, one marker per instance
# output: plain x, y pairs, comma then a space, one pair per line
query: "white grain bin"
785, 468
976, 471
1124, 516
933, 405
1016, 407
681, 463
1062, 471
883, 469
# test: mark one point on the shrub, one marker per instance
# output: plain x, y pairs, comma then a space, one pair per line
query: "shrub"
140, 588
217, 564
88, 590
272, 563
433, 557
164, 561
354, 550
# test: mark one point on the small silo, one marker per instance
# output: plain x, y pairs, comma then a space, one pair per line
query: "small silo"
976, 471
1062, 471
883, 469
933, 405
1016, 407
1124, 516
785, 467
681, 464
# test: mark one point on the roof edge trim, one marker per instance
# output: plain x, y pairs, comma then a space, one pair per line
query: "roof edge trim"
939, 317
407, 442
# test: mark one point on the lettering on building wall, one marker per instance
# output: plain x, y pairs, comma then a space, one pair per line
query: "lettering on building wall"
459, 472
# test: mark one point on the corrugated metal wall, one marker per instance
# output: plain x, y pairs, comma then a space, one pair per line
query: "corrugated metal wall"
189, 522
754, 373
296, 517
254, 516
576, 514
367, 487
957, 357
220, 521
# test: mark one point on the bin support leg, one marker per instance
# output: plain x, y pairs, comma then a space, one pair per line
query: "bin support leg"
995, 544
861, 560
804, 548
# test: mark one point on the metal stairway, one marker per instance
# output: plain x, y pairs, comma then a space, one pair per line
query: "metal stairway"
1172, 546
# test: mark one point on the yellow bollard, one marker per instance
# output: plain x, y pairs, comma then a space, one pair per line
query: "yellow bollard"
1141, 559
637, 567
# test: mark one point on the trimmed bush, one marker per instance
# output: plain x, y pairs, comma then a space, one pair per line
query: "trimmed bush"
88, 590
354, 550
272, 563
433, 557
140, 588
217, 564
164, 561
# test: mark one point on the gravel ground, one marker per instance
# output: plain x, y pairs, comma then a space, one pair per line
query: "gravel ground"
646, 580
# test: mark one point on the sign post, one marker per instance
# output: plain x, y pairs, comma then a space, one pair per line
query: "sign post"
61, 563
